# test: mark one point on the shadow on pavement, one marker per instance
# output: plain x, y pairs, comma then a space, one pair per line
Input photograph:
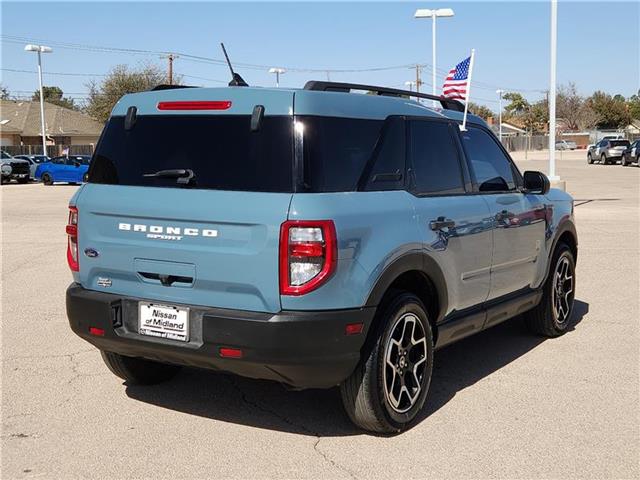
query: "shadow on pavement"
268, 405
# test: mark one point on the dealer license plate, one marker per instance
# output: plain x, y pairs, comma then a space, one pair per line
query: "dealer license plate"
164, 321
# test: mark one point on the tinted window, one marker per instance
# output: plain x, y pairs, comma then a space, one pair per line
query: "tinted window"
434, 159
336, 151
221, 150
492, 169
620, 143
387, 170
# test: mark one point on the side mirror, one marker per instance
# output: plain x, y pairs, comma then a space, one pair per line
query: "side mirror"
536, 182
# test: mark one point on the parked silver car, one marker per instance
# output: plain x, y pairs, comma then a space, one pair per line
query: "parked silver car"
607, 151
566, 145
34, 161
13, 168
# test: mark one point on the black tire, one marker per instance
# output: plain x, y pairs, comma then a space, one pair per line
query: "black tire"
589, 159
603, 159
46, 179
624, 161
139, 371
364, 394
545, 319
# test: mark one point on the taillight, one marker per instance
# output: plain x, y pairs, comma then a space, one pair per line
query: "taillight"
308, 255
72, 240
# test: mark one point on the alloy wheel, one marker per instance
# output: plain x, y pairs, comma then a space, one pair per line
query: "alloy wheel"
405, 363
563, 290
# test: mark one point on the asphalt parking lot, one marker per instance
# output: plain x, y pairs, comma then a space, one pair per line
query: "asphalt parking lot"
503, 404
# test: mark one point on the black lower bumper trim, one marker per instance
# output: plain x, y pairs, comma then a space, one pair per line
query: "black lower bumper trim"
303, 349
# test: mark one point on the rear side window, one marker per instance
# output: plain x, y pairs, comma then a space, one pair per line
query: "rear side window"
388, 162
336, 151
434, 159
222, 151
492, 169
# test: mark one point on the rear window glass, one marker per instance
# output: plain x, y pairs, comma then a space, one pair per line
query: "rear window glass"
336, 151
221, 150
619, 143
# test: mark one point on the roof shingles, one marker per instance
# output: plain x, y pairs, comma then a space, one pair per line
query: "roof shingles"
24, 117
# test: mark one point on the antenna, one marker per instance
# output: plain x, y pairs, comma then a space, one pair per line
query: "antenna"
236, 79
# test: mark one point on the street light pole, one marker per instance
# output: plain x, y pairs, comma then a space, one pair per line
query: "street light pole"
40, 49
552, 91
500, 92
278, 72
433, 14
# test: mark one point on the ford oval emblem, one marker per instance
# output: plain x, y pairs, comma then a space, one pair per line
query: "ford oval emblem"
91, 253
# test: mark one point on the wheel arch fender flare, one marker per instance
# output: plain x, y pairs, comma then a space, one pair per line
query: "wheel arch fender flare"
565, 226
409, 262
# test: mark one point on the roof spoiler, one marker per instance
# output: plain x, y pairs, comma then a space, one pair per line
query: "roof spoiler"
170, 87
320, 86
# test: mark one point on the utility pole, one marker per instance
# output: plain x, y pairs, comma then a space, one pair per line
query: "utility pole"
170, 57
418, 81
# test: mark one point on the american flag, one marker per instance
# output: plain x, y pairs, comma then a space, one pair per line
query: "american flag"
455, 85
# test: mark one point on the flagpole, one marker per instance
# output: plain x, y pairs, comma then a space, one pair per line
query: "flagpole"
466, 103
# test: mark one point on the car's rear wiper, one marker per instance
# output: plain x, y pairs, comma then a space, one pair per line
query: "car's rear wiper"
183, 176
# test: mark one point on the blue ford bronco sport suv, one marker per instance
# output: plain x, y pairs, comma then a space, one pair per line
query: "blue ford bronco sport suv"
316, 237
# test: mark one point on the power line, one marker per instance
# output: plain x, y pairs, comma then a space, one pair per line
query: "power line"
68, 74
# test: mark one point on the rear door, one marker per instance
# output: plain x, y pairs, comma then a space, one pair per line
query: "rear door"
212, 241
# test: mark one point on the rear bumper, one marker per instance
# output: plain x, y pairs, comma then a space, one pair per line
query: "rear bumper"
303, 349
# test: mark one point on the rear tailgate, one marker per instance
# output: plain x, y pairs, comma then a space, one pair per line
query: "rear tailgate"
216, 248
211, 242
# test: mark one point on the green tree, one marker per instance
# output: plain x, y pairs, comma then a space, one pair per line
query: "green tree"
633, 106
517, 103
610, 112
480, 110
120, 81
54, 95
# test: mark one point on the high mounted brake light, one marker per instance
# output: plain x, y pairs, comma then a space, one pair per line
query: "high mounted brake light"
308, 255
72, 240
195, 105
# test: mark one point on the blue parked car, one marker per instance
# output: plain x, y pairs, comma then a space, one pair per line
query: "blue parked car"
315, 237
69, 169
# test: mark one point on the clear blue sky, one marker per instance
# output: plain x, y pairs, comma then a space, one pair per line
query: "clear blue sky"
511, 41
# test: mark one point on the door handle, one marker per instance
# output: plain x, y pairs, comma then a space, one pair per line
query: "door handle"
440, 223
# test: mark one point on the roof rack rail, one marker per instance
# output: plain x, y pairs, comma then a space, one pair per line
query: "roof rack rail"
170, 87
321, 86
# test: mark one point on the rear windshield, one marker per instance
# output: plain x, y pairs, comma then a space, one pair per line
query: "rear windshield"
619, 143
221, 150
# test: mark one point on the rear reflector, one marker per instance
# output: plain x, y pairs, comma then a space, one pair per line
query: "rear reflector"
230, 352
195, 105
99, 332
353, 328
